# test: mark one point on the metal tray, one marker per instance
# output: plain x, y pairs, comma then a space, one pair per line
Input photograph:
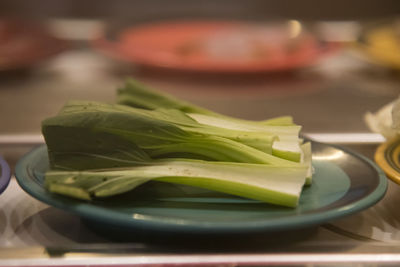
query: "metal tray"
35, 234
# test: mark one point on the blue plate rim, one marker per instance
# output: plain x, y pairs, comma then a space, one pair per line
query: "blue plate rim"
90, 212
5, 175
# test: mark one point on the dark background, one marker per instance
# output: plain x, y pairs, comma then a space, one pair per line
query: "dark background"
158, 9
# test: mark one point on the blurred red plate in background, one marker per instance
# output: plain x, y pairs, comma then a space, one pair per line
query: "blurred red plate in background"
216, 46
24, 44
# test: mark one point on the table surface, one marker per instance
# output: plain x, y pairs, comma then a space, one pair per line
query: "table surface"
328, 98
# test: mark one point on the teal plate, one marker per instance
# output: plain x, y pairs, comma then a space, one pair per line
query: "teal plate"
344, 183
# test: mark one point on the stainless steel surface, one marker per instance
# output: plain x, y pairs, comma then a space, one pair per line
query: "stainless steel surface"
330, 138
34, 234
329, 100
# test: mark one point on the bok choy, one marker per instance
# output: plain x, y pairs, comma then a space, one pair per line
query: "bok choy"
136, 94
269, 183
157, 136
100, 150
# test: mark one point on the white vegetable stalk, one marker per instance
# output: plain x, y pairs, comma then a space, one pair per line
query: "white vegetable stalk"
281, 185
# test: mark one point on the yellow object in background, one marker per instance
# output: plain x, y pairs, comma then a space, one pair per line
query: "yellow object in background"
383, 46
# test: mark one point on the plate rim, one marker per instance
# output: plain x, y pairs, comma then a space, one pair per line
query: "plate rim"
90, 212
380, 158
5, 175
112, 48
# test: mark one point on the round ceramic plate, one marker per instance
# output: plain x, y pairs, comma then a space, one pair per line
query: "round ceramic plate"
5, 175
344, 183
216, 46
387, 156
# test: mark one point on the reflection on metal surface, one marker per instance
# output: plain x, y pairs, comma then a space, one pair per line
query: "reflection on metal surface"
21, 139
379, 223
346, 233
330, 138
288, 259
347, 138
336, 154
150, 218
27, 253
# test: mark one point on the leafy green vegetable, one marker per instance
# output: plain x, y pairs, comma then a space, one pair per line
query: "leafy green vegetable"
100, 150
259, 140
153, 134
136, 94
272, 184
78, 148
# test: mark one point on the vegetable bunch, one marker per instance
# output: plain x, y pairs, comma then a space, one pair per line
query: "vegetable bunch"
100, 150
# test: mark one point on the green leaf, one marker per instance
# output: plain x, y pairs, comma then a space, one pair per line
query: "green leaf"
147, 132
272, 184
136, 94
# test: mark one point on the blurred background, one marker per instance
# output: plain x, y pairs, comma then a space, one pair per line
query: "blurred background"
326, 63
141, 10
